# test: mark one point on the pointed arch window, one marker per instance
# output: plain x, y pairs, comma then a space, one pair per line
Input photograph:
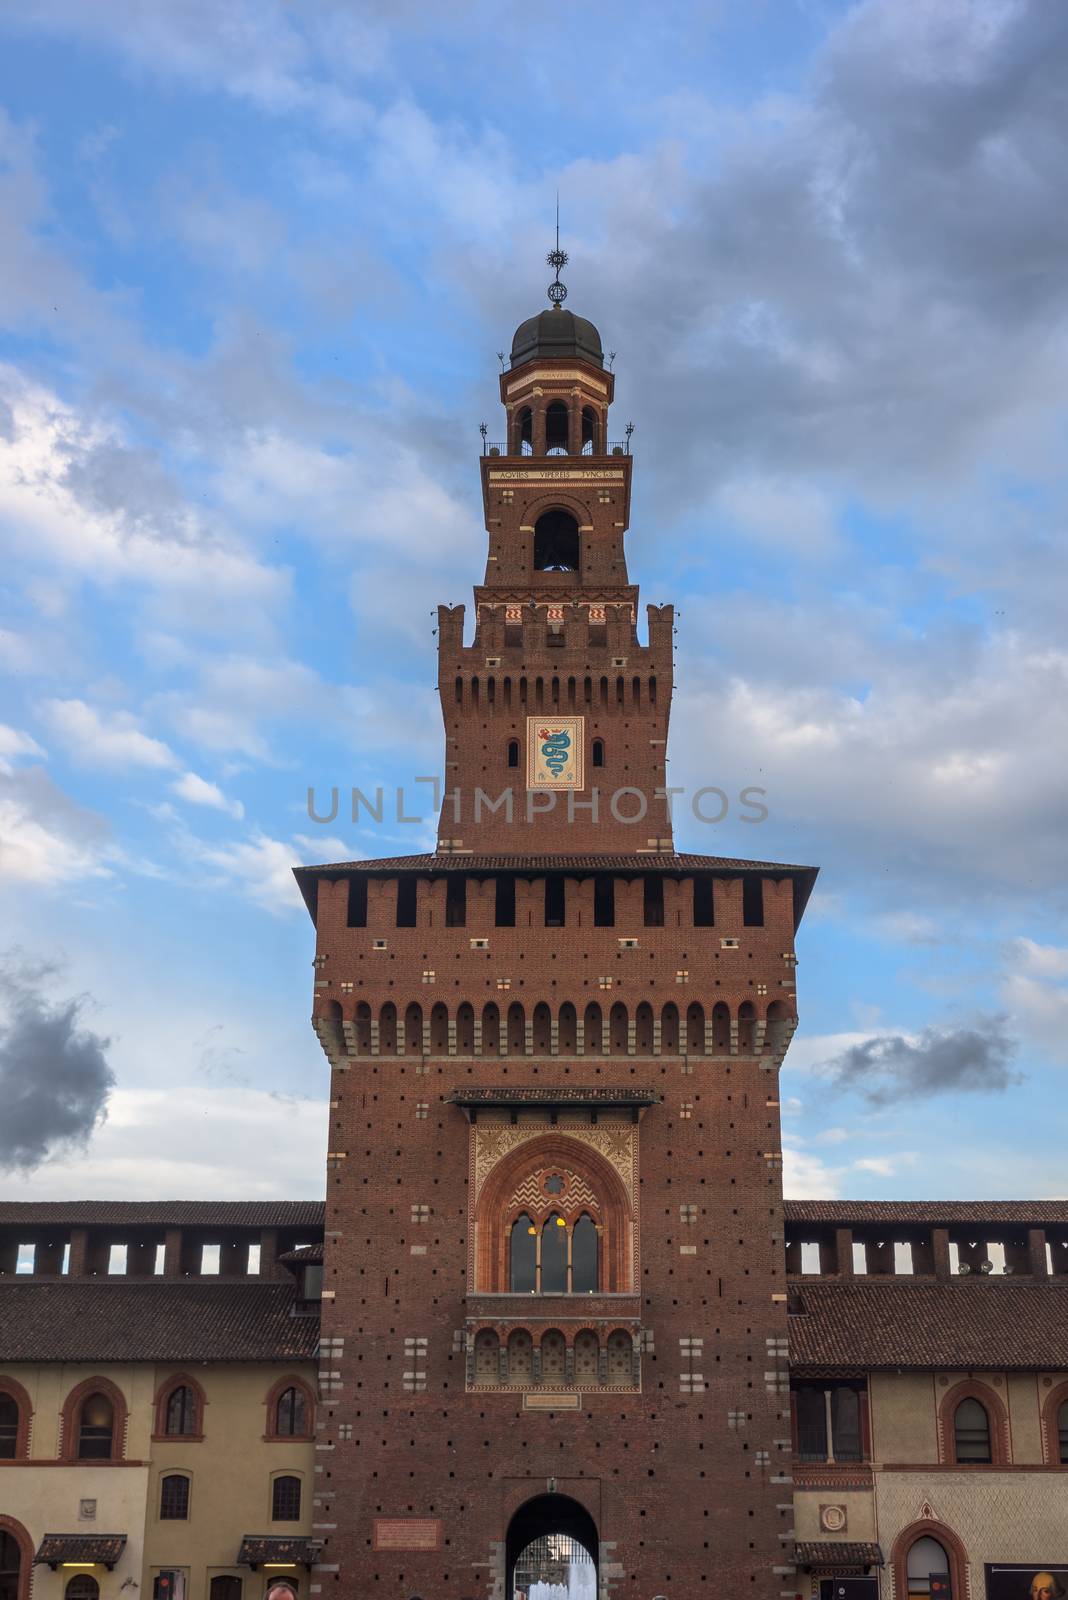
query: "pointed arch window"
971, 1433
9, 1426
554, 1244
291, 1414
182, 1411
96, 1428
926, 1560
585, 1256
523, 1256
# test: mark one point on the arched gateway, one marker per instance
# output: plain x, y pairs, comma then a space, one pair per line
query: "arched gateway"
552, 1540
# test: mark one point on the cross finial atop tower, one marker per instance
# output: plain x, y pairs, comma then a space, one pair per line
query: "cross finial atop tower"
557, 258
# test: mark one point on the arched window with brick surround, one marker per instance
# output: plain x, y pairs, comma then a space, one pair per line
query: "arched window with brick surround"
973, 1426
15, 1413
926, 1550
290, 1410
180, 1403
16, 1558
553, 1217
1055, 1426
94, 1422
971, 1433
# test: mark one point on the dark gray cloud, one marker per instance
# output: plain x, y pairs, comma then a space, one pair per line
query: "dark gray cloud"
54, 1074
888, 1068
864, 282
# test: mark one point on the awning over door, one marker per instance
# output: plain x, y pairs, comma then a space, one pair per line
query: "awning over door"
833, 1554
257, 1551
102, 1549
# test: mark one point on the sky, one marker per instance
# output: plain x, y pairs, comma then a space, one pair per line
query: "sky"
256, 262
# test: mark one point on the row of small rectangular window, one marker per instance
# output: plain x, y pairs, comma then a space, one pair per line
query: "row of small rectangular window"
174, 1494
604, 901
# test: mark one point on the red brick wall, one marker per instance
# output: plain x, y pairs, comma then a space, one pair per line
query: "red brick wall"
681, 1477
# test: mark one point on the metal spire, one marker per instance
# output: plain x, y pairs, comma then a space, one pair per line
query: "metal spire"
557, 258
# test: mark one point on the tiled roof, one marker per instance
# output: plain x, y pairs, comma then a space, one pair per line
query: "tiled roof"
256, 1549
846, 1213
618, 861
562, 1094
836, 1553
103, 1547
163, 1213
974, 1322
303, 1253
101, 1320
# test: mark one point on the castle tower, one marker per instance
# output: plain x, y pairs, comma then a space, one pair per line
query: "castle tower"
554, 1309
556, 716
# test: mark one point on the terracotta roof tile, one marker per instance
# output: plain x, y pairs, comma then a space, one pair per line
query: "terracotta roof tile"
617, 861
103, 1547
836, 1553
256, 1548
93, 1320
305, 1253
974, 1322
845, 1213
164, 1213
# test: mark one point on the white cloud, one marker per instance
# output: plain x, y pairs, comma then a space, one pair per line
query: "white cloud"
1034, 986
258, 51
948, 766
199, 792
45, 837
192, 1142
99, 740
75, 492
807, 1176
262, 867
13, 742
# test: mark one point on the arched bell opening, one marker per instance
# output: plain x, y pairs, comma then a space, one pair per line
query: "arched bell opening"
556, 421
552, 1539
590, 440
556, 542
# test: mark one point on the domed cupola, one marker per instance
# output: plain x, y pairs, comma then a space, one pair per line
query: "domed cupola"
557, 335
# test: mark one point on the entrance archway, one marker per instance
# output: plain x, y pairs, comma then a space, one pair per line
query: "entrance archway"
552, 1540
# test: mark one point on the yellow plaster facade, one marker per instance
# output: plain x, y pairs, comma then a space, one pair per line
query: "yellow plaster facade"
231, 1471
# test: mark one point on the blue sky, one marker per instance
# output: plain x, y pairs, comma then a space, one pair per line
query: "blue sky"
255, 264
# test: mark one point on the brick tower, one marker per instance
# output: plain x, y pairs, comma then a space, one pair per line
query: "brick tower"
554, 1318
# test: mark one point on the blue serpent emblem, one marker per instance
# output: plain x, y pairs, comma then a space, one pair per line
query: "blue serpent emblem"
556, 748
